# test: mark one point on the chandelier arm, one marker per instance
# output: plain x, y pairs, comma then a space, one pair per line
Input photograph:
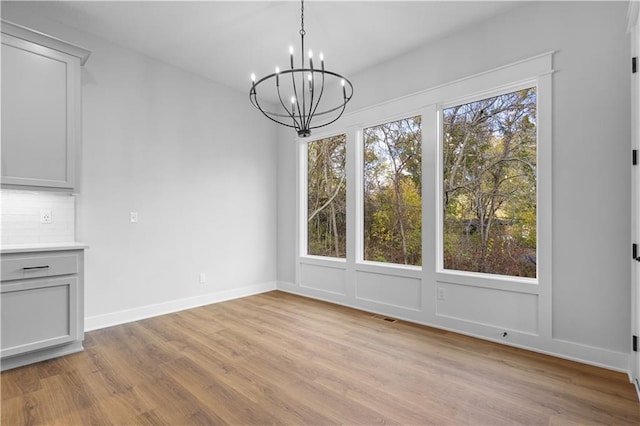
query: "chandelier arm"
312, 89
345, 100
303, 116
253, 95
313, 112
292, 115
254, 101
277, 121
295, 91
344, 106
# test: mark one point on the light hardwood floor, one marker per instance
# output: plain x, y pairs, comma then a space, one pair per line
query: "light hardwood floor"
276, 358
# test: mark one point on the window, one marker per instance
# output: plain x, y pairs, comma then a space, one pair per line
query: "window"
489, 150
393, 192
326, 197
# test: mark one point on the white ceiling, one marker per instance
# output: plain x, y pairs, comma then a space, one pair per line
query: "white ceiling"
227, 40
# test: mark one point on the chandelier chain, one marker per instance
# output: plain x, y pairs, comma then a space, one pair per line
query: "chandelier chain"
302, 31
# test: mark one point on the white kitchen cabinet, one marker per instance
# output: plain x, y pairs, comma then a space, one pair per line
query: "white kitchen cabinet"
40, 108
42, 306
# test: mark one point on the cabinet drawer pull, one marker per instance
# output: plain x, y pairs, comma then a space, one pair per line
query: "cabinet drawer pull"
26, 268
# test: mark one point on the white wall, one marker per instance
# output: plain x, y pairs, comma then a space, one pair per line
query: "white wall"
194, 160
591, 167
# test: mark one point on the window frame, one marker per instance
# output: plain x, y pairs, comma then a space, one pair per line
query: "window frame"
360, 235
439, 232
535, 71
303, 229
377, 117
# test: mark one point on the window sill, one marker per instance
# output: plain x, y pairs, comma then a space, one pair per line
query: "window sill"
500, 282
390, 269
331, 262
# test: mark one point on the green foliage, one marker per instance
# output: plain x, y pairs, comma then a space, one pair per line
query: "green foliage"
392, 192
326, 197
489, 185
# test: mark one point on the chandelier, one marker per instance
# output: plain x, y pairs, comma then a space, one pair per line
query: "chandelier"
311, 93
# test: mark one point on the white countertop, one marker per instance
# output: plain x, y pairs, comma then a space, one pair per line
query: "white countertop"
25, 248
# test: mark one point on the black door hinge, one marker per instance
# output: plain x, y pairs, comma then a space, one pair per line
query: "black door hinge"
634, 252
634, 343
634, 65
634, 157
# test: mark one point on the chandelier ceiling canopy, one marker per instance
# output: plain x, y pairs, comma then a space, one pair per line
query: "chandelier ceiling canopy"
308, 97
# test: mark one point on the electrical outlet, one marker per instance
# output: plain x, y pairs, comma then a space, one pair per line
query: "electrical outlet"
133, 217
203, 278
440, 293
46, 216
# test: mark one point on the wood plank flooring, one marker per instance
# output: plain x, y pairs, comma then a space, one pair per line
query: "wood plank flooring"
276, 358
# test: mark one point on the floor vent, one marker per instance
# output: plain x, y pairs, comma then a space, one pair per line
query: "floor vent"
387, 319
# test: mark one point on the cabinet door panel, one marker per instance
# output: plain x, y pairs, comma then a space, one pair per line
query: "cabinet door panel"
38, 121
38, 314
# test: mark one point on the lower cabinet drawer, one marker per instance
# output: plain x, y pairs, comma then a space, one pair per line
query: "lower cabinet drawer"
37, 265
36, 314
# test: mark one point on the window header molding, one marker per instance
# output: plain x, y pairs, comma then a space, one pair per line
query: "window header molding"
509, 75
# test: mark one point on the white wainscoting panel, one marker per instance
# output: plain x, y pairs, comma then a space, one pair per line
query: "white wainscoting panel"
402, 292
324, 278
499, 308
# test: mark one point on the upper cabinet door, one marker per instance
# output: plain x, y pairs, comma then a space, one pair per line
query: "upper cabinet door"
40, 113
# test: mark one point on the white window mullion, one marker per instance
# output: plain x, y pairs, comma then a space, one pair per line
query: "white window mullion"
357, 230
430, 209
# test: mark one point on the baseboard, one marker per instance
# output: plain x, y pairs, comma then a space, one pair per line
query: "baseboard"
40, 355
120, 317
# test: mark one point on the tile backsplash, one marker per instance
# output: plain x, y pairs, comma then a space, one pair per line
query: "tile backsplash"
20, 217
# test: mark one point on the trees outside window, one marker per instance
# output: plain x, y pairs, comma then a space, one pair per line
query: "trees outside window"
393, 192
489, 185
326, 197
